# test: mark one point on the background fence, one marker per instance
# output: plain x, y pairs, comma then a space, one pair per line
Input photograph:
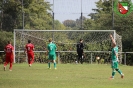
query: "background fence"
71, 57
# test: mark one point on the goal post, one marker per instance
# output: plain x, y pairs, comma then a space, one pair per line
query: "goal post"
66, 40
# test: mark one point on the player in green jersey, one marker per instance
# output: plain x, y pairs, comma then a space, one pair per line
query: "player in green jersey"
115, 60
51, 53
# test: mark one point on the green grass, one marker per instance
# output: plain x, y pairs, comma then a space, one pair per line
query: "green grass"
66, 76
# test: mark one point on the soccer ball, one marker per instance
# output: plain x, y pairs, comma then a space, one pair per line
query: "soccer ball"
76, 62
97, 58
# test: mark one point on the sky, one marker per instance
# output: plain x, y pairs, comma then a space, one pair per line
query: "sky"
71, 9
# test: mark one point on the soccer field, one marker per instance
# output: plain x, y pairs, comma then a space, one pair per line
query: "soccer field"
65, 76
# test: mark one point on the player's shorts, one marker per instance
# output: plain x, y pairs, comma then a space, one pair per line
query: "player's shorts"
115, 64
80, 53
9, 58
30, 55
51, 57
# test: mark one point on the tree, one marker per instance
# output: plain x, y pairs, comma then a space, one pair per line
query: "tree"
69, 23
36, 14
58, 25
1, 14
74, 25
9, 14
89, 24
79, 22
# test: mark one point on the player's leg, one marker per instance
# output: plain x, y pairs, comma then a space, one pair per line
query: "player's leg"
113, 70
49, 60
81, 58
6, 62
11, 62
118, 70
78, 57
113, 73
49, 64
32, 58
54, 60
29, 57
54, 64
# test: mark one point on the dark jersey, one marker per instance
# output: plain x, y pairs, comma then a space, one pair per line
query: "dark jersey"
80, 47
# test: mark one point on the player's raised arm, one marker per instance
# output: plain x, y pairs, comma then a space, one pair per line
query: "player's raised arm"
113, 41
113, 45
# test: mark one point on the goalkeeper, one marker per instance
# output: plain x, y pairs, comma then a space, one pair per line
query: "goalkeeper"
115, 60
80, 52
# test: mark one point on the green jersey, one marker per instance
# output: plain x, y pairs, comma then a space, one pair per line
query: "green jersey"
51, 48
114, 52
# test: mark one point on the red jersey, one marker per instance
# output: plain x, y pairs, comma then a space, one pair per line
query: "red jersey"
29, 47
9, 49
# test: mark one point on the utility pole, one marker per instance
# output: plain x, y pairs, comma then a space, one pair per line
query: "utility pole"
112, 14
22, 15
53, 21
81, 16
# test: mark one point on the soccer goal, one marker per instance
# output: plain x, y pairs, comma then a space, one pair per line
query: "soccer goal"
65, 40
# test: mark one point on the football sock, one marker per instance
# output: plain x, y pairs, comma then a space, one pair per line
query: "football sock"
54, 64
119, 71
49, 64
113, 73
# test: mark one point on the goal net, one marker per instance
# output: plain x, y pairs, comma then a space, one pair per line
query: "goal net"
65, 40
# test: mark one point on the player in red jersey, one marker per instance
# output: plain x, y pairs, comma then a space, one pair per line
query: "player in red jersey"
29, 49
9, 50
